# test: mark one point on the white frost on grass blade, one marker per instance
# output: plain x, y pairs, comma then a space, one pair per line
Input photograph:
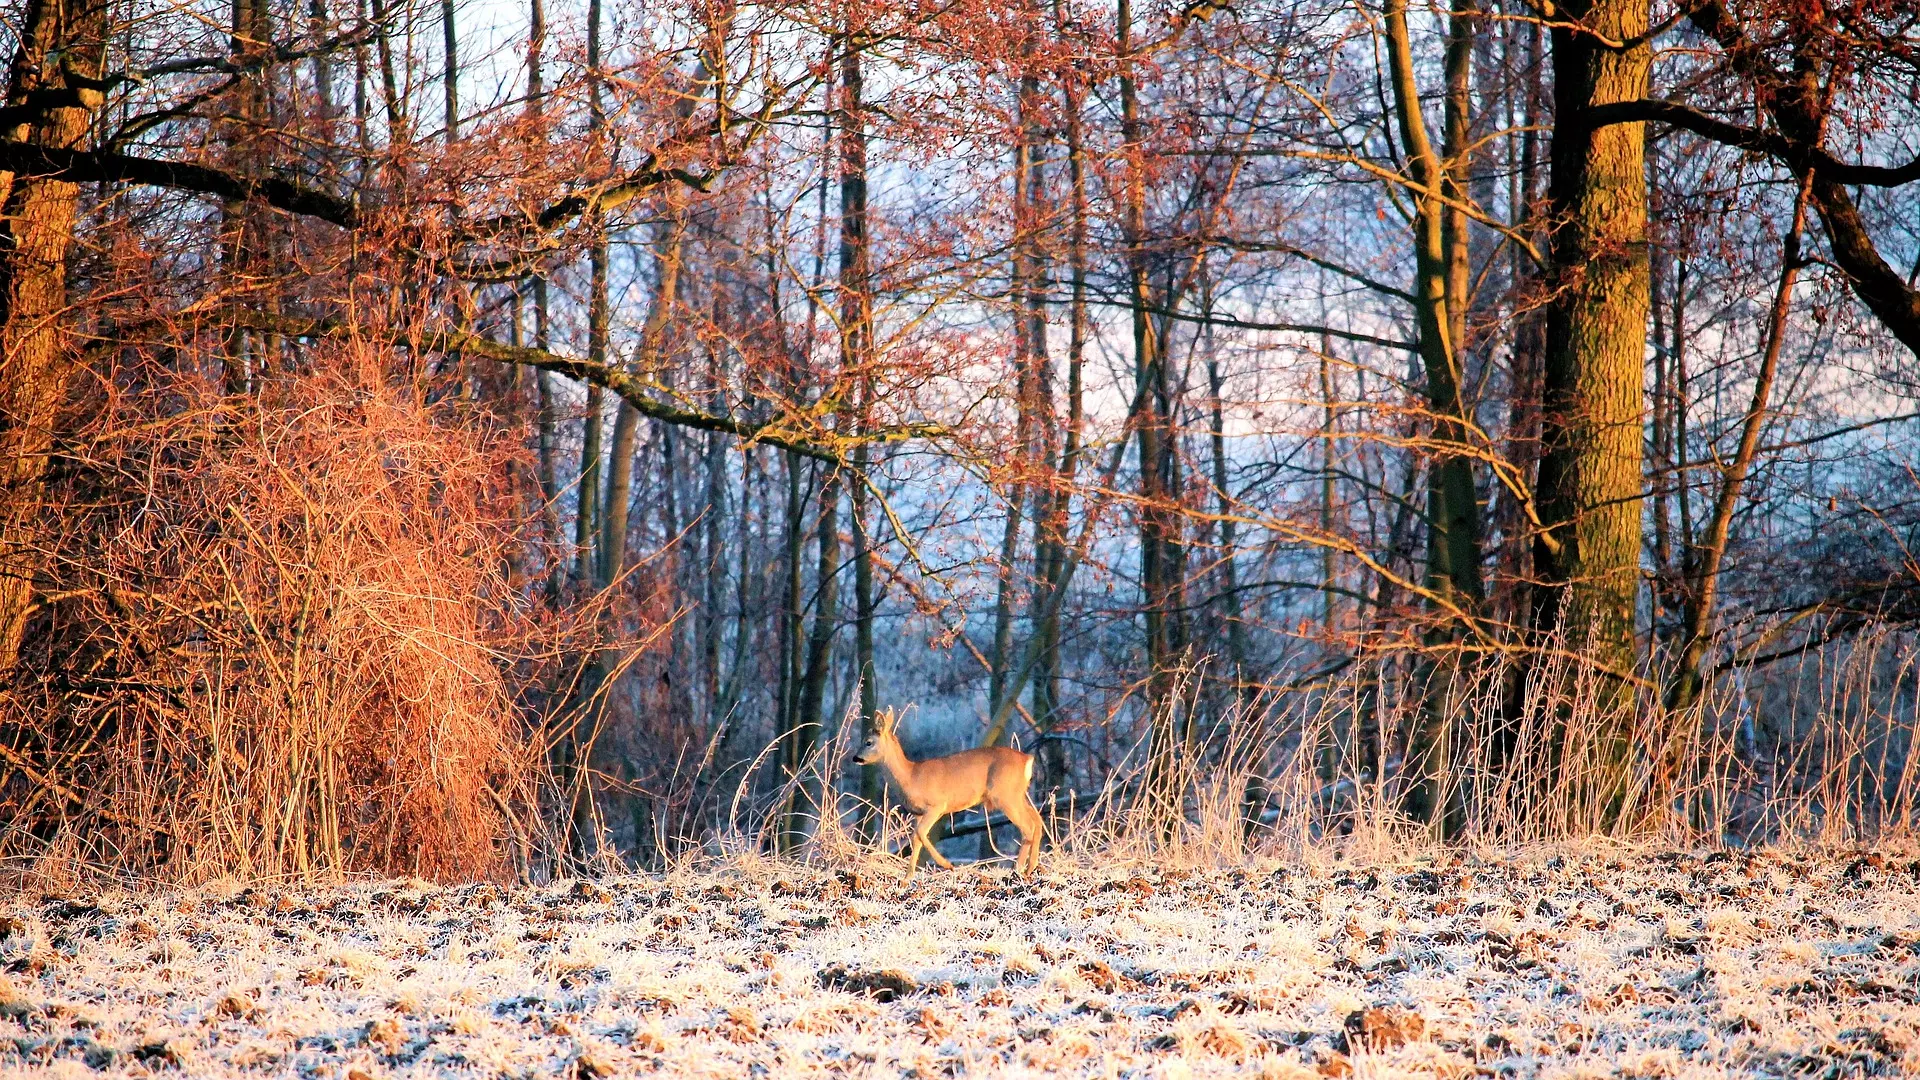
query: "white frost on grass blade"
1661, 966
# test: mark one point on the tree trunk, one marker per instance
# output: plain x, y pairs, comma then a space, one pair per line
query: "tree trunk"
613, 519
792, 605
1513, 607
450, 79
548, 422
1705, 559
36, 233
1329, 485
1587, 556
1030, 351
856, 358
1453, 522
1046, 686
320, 26
808, 723
1159, 540
713, 574
587, 494
866, 603
588, 556
395, 107
245, 258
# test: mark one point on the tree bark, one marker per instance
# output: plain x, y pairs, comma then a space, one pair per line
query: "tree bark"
1054, 522
1587, 555
857, 360
792, 609
808, 722
62, 46
588, 555
1160, 540
586, 518
1030, 377
245, 257
1441, 267
450, 78
613, 519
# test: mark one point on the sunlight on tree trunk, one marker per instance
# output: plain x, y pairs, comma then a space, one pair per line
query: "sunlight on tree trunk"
1588, 556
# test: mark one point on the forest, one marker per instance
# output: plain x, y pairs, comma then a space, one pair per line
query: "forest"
486, 441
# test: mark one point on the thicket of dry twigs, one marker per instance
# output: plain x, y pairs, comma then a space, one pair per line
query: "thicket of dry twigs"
292, 639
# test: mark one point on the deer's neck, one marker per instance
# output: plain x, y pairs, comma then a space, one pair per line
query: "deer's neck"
896, 761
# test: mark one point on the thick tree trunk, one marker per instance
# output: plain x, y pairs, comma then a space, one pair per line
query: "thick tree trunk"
1587, 557
36, 233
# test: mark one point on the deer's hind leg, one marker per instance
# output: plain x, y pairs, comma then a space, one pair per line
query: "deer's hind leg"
1026, 818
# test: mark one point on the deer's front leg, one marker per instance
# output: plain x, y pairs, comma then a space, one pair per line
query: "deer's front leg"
913, 854
927, 822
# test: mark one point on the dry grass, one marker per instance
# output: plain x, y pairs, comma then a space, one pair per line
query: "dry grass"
1581, 964
285, 640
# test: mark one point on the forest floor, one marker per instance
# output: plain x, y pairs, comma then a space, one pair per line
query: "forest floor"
1774, 964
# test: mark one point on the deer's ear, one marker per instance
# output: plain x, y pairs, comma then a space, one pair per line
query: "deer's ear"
887, 720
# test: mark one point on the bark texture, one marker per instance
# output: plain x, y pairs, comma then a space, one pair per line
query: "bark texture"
1587, 555
57, 65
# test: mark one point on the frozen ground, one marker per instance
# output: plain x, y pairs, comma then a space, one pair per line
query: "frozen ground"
1646, 966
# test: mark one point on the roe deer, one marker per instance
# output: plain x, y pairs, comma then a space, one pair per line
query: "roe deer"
992, 777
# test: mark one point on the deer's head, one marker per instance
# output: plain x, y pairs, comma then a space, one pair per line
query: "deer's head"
883, 723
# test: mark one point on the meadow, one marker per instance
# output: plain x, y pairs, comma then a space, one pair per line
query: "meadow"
1588, 962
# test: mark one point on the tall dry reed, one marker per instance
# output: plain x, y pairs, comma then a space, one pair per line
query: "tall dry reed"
285, 638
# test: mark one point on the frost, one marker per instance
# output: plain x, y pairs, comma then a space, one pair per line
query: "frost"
1672, 967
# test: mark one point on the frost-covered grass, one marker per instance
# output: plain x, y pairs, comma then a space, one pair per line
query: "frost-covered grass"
1576, 965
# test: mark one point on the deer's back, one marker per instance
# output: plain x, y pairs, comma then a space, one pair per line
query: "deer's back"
968, 774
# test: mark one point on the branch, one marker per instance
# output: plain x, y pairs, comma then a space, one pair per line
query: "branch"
648, 176
821, 445
1244, 324
95, 166
1318, 260
1752, 139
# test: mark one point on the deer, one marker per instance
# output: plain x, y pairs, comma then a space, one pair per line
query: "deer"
992, 777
